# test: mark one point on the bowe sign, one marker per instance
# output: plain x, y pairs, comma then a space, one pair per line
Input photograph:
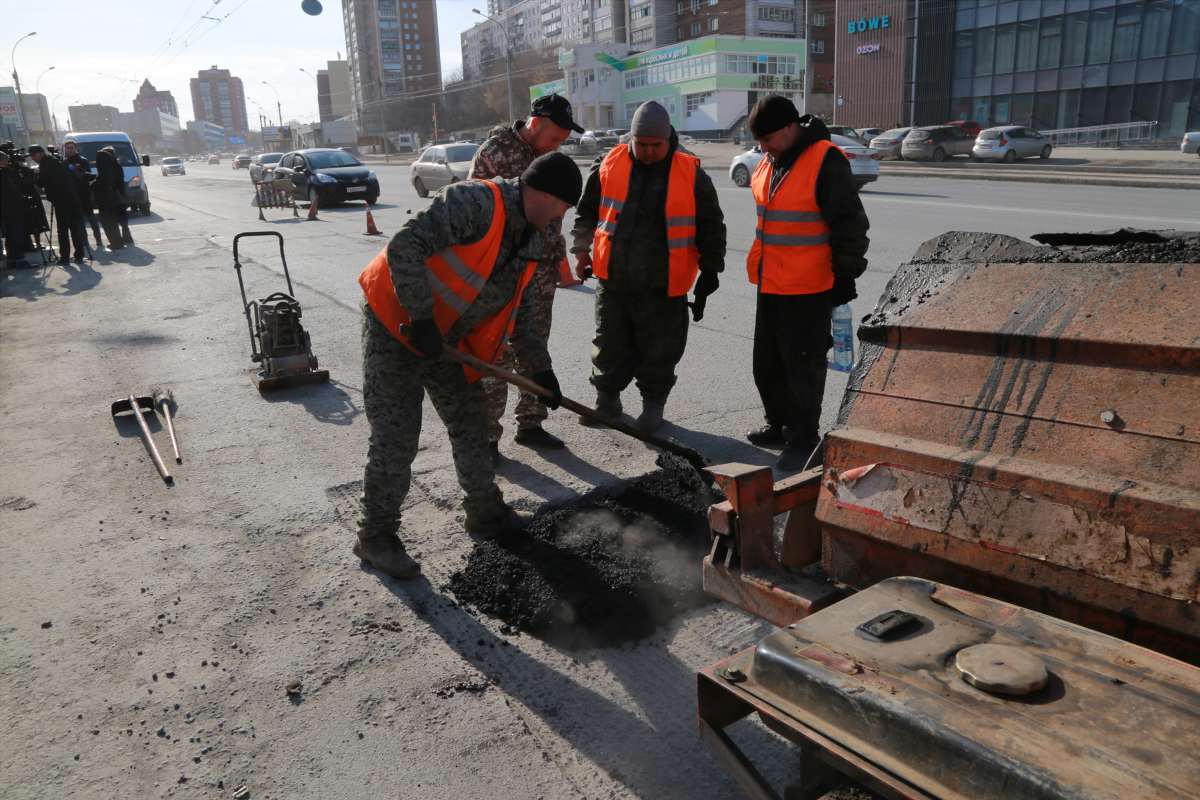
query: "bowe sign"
874, 23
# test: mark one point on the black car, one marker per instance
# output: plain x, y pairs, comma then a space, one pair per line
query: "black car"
263, 166
331, 175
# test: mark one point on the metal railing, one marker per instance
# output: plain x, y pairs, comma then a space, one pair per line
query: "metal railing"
1102, 135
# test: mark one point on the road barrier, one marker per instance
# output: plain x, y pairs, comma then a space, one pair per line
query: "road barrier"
266, 196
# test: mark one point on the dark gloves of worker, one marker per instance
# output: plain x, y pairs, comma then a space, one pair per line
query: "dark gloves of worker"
547, 380
843, 291
706, 284
426, 338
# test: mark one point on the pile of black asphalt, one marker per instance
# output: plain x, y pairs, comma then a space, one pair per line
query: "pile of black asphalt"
598, 573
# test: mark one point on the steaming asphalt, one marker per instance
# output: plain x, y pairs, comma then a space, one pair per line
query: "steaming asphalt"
714, 402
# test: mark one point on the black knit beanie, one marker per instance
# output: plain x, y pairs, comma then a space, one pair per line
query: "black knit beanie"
556, 174
770, 114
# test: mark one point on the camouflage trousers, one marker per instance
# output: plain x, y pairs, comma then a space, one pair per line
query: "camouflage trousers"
530, 411
640, 334
395, 380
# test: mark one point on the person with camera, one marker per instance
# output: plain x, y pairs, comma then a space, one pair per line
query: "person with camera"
81, 170
12, 213
109, 190
56, 181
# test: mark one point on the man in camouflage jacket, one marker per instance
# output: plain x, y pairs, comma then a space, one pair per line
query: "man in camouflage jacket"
396, 379
507, 152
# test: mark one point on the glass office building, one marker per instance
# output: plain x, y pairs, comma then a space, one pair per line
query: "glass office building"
1055, 64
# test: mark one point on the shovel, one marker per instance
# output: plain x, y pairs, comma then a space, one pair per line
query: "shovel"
138, 406
693, 457
165, 397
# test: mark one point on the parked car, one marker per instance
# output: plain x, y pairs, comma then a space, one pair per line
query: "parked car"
617, 132
1008, 143
241, 162
871, 133
262, 167
214, 159
864, 162
137, 194
936, 143
441, 166
973, 128
327, 175
597, 141
172, 166
1190, 143
888, 143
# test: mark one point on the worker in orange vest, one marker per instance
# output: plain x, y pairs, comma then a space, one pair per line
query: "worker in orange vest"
455, 274
809, 247
649, 223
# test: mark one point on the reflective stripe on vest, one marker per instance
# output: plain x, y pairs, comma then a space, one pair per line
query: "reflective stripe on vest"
790, 253
456, 277
683, 255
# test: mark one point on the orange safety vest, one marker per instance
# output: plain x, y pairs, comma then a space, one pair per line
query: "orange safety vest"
456, 276
791, 253
684, 256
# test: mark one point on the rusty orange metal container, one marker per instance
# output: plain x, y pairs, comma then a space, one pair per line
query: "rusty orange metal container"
1031, 432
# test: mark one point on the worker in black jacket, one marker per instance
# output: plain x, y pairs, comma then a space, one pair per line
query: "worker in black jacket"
81, 170
12, 213
58, 184
109, 190
810, 246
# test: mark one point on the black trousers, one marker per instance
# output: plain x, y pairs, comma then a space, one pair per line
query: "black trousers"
791, 341
70, 231
14, 237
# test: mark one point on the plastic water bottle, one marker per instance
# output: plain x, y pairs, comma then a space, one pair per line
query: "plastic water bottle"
843, 339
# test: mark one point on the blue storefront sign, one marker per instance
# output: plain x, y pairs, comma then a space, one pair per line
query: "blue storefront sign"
871, 24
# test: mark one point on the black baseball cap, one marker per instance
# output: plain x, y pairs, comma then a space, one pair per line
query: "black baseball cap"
557, 109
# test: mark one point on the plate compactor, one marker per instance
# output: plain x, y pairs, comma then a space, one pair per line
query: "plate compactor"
278, 341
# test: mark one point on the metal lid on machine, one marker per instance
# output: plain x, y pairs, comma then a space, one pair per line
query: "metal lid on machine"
1001, 669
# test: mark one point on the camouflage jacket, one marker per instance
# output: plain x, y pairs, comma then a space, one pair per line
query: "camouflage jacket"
506, 155
461, 214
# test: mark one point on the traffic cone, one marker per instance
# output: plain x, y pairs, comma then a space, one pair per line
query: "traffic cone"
312, 210
371, 229
565, 276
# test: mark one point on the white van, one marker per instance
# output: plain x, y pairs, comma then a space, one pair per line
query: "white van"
136, 192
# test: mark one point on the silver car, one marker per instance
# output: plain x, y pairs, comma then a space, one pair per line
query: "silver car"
888, 143
1009, 143
442, 165
172, 166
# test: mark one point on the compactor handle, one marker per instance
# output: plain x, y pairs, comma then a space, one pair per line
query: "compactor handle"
238, 266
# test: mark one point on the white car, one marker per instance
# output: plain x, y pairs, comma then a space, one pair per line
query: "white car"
172, 166
1190, 143
864, 163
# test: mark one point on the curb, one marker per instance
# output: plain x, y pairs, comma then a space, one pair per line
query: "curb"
1069, 180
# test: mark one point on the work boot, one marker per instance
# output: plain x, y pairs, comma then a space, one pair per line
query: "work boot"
64, 261
537, 437
607, 403
126, 236
796, 453
504, 519
767, 434
651, 417
494, 449
385, 553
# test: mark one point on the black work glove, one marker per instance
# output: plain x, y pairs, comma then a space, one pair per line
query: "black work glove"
547, 380
426, 338
706, 284
843, 291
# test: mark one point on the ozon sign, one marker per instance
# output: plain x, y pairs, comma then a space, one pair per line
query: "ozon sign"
872, 24
866, 48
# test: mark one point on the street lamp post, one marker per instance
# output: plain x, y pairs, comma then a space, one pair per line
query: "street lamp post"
17, 82
278, 106
54, 114
508, 51
37, 91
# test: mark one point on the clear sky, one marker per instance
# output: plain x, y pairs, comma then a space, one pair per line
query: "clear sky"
101, 52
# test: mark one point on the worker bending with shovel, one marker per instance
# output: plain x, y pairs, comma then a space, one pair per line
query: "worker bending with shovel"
454, 274
651, 221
